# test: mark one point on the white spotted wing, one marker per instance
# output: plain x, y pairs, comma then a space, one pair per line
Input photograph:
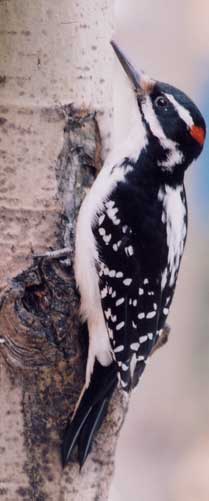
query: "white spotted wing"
131, 299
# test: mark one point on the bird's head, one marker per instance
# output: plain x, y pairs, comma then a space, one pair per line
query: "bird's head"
173, 122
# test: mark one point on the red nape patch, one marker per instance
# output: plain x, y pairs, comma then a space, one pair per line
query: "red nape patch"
198, 134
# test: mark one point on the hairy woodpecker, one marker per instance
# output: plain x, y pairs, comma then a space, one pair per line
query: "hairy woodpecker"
131, 233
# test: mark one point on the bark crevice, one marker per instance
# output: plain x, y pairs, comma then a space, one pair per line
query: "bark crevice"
39, 329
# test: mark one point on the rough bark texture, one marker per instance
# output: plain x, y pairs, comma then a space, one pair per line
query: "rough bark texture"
42, 369
51, 53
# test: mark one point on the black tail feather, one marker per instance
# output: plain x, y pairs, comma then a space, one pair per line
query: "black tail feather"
90, 414
90, 428
93, 424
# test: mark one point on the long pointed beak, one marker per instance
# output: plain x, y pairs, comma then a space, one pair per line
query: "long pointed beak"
141, 83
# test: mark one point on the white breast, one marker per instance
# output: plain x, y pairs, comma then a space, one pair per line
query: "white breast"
173, 216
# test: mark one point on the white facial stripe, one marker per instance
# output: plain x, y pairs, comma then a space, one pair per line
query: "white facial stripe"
174, 156
183, 113
152, 119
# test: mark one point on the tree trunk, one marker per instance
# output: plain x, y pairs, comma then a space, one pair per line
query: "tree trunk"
52, 54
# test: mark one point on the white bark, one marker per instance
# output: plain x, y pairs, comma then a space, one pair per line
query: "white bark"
51, 53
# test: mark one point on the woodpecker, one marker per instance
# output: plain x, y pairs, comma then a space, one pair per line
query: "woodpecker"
130, 238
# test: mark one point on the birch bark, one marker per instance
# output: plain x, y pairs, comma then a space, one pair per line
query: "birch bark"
51, 54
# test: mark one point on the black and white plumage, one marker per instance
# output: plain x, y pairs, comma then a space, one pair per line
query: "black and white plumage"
130, 239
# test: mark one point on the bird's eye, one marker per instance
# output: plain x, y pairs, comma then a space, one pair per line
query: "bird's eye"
161, 102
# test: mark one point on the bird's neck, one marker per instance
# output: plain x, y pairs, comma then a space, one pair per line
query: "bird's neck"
161, 163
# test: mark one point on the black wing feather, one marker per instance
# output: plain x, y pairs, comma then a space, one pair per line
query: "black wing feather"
131, 298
